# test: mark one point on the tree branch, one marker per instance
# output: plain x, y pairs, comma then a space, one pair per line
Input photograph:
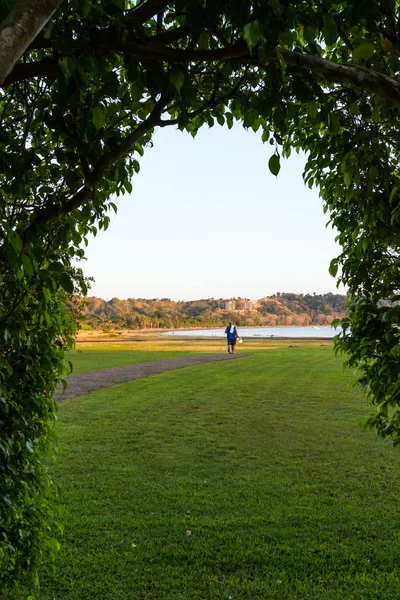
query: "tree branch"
211, 103
170, 36
105, 39
41, 68
146, 10
19, 29
54, 211
148, 51
371, 81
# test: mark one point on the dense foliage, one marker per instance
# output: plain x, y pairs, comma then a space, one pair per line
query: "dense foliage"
78, 110
279, 309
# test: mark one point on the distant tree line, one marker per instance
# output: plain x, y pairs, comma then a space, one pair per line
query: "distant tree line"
278, 309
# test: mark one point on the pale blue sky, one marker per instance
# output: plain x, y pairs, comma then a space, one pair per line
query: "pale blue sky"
207, 219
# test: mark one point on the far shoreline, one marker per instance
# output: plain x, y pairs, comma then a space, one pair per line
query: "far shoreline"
122, 335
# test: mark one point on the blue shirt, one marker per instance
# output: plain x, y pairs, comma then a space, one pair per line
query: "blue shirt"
231, 336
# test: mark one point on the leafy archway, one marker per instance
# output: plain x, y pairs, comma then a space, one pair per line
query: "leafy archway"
83, 90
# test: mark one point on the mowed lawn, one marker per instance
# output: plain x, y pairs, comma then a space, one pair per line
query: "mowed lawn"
95, 356
236, 480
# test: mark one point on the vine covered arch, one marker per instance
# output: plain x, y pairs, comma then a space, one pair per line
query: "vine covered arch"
85, 84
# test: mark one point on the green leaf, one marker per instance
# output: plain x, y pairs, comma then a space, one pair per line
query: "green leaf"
27, 264
139, 149
67, 66
376, 113
66, 282
347, 178
4, 364
393, 193
136, 91
252, 34
309, 34
287, 152
15, 241
373, 172
250, 117
395, 215
265, 135
363, 52
333, 267
52, 543
333, 122
56, 266
274, 164
313, 110
203, 40
228, 69
354, 108
282, 63
46, 293
330, 30
98, 117
176, 77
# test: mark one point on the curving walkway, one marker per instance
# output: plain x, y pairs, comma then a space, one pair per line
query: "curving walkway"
79, 385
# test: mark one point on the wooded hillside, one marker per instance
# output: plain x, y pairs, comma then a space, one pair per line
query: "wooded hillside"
278, 309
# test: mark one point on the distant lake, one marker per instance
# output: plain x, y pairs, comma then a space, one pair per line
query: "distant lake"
254, 332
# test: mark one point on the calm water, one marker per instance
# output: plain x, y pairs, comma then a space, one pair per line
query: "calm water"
254, 332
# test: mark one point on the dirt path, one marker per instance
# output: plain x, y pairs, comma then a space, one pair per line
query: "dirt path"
79, 385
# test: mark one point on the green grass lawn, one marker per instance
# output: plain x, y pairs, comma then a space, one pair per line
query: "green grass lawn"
84, 361
94, 356
241, 480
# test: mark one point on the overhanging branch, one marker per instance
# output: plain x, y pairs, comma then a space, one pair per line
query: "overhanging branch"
151, 49
371, 81
145, 49
41, 68
54, 211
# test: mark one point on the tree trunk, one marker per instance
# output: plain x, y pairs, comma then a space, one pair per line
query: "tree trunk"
19, 29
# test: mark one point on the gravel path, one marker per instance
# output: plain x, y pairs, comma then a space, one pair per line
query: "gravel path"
97, 380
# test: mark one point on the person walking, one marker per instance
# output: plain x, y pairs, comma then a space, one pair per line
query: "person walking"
231, 336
